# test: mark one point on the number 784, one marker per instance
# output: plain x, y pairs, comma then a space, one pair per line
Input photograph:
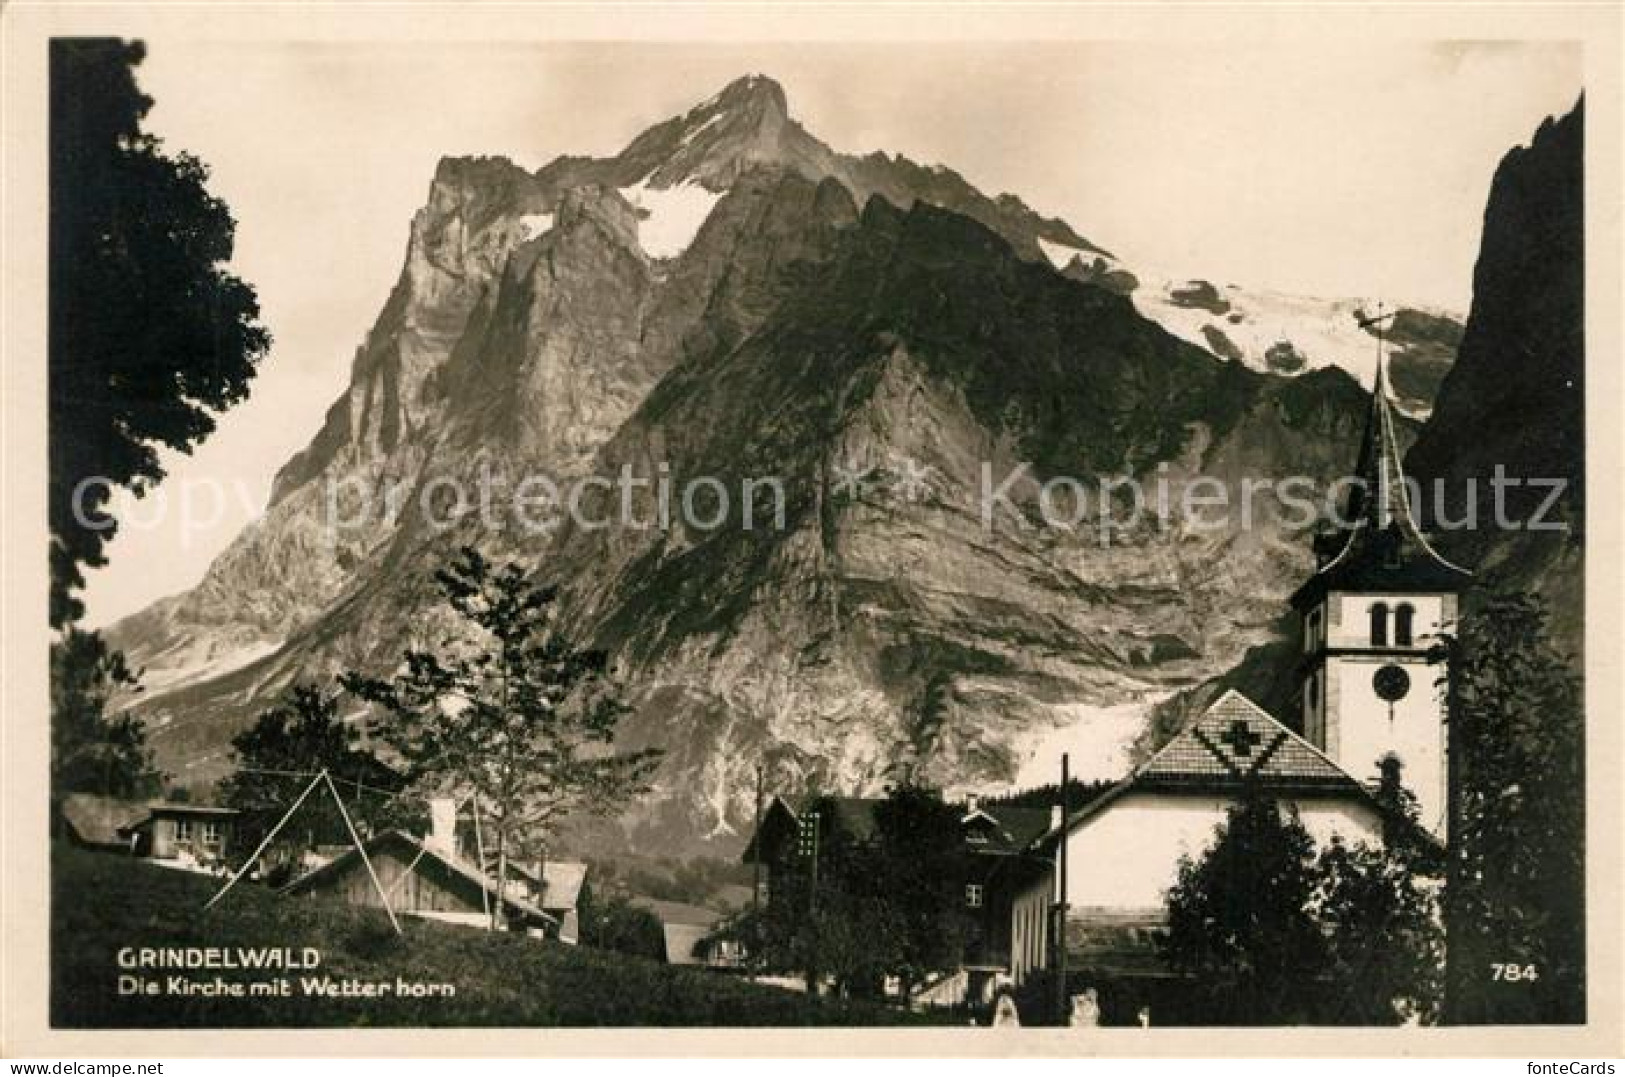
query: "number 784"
1513, 973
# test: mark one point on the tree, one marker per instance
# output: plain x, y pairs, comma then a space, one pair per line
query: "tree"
1379, 909
1515, 888
880, 902
512, 714
1239, 919
148, 334
277, 757
920, 874
92, 751
612, 922
1384, 940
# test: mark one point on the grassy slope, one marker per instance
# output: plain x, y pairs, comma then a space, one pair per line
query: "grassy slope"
103, 902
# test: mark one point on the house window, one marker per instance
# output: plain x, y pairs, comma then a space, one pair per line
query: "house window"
977, 837
211, 833
183, 830
973, 895
1404, 618
1379, 624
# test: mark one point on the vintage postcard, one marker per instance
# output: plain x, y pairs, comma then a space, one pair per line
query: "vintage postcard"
976, 529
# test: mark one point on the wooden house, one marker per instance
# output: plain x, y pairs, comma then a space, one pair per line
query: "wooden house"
182, 835
422, 880
689, 934
438, 878
999, 872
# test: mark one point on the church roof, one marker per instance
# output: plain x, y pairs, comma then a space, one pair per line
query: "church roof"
1234, 745
1235, 742
1383, 549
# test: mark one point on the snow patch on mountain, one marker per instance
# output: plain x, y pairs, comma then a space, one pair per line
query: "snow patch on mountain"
670, 217
1322, 331
535, 224
1266, 330
1097, 740
694, 132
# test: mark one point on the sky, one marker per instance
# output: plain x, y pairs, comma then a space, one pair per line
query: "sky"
1343, 169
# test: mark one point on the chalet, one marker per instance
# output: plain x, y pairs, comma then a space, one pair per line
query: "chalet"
556, 889
421, 880
689, 933
188, 836
1001, 872
434, 878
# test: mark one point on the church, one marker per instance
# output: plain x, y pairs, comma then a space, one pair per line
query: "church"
1372, 712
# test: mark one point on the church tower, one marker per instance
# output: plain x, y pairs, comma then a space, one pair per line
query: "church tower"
1374, 607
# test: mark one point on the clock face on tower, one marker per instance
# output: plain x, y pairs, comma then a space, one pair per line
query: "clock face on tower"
1391, 683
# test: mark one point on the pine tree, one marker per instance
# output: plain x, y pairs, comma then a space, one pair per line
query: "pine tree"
513, 714
93, 751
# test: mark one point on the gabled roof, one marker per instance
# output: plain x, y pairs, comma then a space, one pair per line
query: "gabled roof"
679, 912
170, 807
561, 882
424, 856
1233, 746
854, 815
1384, 549
1014, 828
1235, 742
683, 943
99, 820
159, 808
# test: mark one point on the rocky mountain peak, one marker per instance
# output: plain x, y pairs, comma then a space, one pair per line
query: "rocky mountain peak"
752, 92
745, 124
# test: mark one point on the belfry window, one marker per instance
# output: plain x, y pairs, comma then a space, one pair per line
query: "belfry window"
1404, 618
1379, 624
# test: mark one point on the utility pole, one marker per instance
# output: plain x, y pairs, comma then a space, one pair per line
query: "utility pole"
1061, 903
758, 936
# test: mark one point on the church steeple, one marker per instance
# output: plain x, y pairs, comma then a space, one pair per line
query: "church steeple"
1380, 464
1381, 547
1372, 611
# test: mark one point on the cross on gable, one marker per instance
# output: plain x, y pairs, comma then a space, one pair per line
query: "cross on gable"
1241, 738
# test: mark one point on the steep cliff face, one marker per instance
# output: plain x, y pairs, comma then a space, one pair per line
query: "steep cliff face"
730, 298
1515, 398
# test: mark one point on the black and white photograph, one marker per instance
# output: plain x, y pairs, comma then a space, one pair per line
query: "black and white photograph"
1002, 535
